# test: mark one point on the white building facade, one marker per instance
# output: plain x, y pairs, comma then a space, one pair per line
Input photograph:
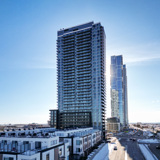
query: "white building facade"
48, 144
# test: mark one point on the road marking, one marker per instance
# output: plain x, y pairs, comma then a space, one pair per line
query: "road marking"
126, 152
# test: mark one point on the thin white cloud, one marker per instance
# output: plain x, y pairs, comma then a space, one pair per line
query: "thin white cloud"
40, 66
40, 62
156, 101
138, 53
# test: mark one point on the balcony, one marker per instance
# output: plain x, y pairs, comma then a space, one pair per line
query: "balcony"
84, 61
69, 68
66, 94
69, 45
84, 78
79, 46
84, 64
66, 71
68, 38
83, 37
83, 82
84, 58
68, 52
69, 78
88, 49
68, 85
79, 67
68, 63
84, 34
83, 52
84, 69
67, 98
84, 86
84, 93
68, 90
83, 73
83, 40
83, 55
69, 81
69, 57
83, 43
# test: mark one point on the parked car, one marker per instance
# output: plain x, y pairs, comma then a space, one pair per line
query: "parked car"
115, 147
158, 147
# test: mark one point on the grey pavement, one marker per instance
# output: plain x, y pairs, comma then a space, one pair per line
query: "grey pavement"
155, 151
127, 149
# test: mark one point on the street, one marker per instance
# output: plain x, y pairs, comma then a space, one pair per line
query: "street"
127, 149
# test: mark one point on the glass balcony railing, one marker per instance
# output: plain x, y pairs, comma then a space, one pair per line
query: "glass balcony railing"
68, 46
84, 93
83, 34
68, 43
83, 74
84, 64
70, 67
83, 37
68, 63
68, 52
83, 43
84, 87
83, 52
79, 67
84, 49
83, 79
80, 40
69, 71
79, 46
83, 59
69, 78
68, 85
69, 57
84, 83
66, 90
83, 55
68, 94
68, 38
84, 69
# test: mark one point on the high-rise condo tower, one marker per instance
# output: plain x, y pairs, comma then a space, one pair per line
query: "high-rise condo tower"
81, 76
119, 98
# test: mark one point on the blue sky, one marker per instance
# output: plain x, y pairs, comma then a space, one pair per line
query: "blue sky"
28, 32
